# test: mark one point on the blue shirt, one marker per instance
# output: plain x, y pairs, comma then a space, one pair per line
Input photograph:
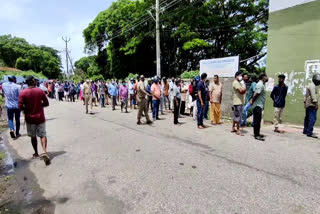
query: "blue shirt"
278, 95
113, 90
148, 89
202, 88
11, 91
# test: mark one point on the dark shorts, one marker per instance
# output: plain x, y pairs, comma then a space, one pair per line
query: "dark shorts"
237, 113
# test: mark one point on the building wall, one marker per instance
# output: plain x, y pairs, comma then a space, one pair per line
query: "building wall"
293, 50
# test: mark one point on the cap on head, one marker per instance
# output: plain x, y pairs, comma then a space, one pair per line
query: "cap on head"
197, 78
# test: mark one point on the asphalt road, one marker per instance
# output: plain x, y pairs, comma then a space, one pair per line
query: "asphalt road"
105, 163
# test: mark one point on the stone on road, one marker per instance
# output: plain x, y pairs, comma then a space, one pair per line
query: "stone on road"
105, 163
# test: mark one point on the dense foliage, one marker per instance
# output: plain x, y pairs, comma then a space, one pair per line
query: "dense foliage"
124, 35
18, 53
22, 73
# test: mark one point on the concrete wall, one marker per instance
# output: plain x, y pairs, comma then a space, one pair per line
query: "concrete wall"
293, 50
227, 102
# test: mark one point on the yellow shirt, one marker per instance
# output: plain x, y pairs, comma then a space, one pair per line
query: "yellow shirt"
238, 98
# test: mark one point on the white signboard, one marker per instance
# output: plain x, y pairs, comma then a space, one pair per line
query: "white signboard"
223, 67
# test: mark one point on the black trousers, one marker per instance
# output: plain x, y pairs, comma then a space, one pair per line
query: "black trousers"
183, 107
257, 116
176, 106
150, 103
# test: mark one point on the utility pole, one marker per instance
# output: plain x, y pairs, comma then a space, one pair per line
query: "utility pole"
158, 38
66, 40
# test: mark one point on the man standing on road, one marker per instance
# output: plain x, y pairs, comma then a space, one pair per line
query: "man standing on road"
249, 96
113, 90
166, 94
11, 92
87, 93
311, 105
123, 92
131, 92
31, 101
171, 97
201, 100
238, 101
215, 92
258, 100
184, 91
141, 95
101, 88
278, 95
156, 96
176, 101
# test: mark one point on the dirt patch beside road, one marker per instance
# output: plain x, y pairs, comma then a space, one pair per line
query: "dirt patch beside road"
19, 189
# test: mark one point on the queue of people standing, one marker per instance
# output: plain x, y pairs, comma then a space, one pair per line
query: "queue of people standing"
204, 101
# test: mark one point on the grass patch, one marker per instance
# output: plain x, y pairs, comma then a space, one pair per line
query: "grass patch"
2, 155
8, 178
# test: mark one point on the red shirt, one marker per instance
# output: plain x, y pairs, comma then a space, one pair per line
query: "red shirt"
32, 101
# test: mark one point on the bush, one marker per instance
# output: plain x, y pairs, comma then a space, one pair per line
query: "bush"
22, 73
133, 76
190, 74
97, 77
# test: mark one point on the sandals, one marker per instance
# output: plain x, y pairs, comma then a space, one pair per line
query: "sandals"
45, 158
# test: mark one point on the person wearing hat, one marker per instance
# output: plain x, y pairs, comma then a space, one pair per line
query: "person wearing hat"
238, 101
31, 101
311, 105
141, 96
278, 95
11, 92
123, 93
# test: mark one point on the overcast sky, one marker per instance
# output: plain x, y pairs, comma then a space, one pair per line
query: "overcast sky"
44, 22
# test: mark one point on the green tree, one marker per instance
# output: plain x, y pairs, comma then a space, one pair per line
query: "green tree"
190, 31
17, 52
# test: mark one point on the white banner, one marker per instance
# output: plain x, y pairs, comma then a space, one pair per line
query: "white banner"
223, 67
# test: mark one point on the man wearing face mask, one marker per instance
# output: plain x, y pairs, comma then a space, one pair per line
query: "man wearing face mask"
278, 95
123, 92
201, 100
156, 96
238, 101
258, 100
141, 96
113, 90
87, 93
311, 105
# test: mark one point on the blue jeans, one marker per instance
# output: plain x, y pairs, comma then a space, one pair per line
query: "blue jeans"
206, 110
102, 100
200, 113
14, 113
310, 120
155, 110
245, 114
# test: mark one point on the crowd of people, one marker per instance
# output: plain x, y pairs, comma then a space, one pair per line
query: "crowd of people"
200, 96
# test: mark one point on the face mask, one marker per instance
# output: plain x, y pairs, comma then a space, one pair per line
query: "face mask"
123, 84
240, 78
